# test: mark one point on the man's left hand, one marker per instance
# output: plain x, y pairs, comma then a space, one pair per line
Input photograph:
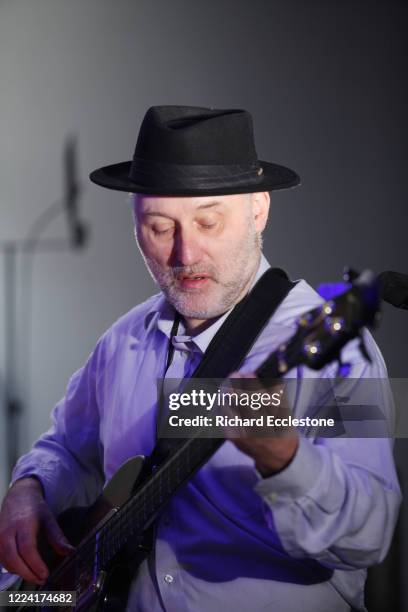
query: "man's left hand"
271, 454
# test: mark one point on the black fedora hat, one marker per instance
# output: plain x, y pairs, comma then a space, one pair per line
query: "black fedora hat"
188, 150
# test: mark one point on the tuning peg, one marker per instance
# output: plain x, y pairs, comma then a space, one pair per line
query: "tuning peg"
349, 274
306, 319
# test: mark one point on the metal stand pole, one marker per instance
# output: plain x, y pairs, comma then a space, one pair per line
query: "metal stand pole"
13, 403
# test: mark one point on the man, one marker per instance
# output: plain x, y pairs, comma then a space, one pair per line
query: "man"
268, 523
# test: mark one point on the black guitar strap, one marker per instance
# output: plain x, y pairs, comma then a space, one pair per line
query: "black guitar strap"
236, 336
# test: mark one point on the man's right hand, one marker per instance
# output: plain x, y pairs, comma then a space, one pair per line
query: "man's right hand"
23, 514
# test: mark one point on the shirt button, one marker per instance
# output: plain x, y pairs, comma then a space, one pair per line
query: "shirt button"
168, 578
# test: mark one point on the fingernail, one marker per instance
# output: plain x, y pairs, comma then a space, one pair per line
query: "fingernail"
67, 551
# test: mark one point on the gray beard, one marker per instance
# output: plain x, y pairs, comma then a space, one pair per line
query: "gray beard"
245, 259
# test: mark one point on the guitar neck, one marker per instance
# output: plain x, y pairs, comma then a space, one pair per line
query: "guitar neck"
140, 511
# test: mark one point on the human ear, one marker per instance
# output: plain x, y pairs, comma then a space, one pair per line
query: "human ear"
260, 208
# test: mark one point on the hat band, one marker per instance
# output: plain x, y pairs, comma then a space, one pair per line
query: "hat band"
161, 175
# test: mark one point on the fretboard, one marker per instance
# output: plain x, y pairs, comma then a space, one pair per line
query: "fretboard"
141, 510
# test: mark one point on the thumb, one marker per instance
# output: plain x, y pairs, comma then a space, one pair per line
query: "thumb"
56, 536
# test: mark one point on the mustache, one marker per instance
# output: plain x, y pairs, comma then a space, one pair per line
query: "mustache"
177, 271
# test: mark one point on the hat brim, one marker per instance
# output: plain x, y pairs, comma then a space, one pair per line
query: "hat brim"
116, 177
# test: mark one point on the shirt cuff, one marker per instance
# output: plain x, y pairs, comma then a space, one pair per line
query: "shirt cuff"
46, 483
296, 479
31, 475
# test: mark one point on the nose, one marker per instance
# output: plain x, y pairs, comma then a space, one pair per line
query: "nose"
187, 249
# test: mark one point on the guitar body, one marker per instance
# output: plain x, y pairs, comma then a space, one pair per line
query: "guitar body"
107, 590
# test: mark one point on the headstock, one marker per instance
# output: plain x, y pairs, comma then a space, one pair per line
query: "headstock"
322, 332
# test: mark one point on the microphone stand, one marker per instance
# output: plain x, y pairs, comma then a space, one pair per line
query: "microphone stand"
14, 405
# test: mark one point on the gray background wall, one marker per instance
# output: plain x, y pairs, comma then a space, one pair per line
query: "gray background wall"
325, 82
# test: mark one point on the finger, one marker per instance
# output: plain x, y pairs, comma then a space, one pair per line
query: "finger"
14, 564
28, 551
56, 537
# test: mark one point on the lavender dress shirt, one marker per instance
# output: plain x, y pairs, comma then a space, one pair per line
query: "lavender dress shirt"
229, 540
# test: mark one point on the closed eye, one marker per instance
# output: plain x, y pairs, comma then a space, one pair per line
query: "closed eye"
162, 230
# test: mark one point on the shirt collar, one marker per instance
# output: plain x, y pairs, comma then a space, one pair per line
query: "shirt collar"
162, 317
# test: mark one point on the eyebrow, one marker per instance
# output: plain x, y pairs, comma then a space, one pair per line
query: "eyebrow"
155, 214
209, 205
201, 207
